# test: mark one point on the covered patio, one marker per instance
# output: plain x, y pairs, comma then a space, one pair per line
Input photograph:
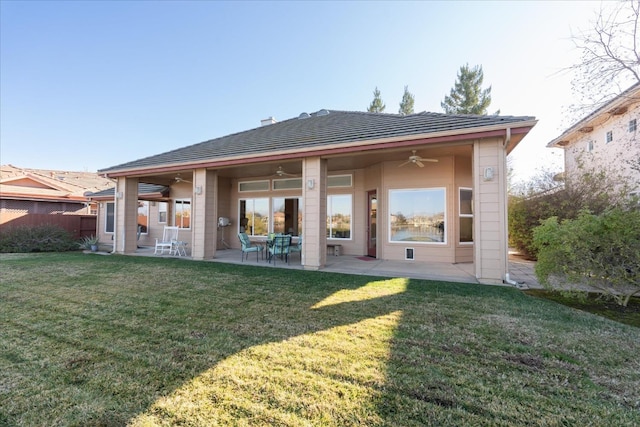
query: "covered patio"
522, 271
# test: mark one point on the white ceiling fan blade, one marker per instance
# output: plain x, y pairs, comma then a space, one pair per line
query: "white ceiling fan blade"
429, 160
402, 164
419, 163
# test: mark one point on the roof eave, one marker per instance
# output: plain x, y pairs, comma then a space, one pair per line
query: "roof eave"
516, 128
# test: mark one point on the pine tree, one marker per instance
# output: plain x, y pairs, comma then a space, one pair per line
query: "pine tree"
406, 105
376, 106
467, 95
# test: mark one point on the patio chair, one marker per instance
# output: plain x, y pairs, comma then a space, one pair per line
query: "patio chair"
280, 248
248, 247
169, 238
297, 247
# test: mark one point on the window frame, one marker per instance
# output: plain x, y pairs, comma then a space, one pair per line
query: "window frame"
161, 211
181, 202
106, 217
262, 181
633, 125
390, 209
334, 177
268, 215
299, 210
609, 136
465, 215
330, 213
145, 229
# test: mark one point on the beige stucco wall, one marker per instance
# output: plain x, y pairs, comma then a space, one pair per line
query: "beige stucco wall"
433, 175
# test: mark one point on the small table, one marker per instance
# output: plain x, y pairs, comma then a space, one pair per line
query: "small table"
179, 248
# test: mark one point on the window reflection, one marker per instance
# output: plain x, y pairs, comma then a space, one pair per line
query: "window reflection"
417, 215
339, 216
254, 216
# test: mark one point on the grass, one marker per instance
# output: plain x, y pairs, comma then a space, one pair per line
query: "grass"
90, 340
596, 304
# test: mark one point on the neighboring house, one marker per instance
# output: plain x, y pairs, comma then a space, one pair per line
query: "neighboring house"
606, 139
425, 187
153, 202
31, 196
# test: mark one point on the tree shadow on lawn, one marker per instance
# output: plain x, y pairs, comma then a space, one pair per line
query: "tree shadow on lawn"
226, 346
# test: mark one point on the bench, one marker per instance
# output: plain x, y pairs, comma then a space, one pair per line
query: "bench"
337, 247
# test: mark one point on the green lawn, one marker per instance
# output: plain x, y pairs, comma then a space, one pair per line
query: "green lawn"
88, 340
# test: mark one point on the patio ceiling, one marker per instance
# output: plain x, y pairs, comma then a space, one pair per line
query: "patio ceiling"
336, 162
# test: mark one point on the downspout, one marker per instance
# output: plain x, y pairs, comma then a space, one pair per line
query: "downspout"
115, 219
507, 138
507, 279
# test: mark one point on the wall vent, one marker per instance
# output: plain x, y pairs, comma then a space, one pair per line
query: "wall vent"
408, 253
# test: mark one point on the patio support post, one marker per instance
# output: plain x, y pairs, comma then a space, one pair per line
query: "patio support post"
490, 252
126, 215
314, 224
204, 215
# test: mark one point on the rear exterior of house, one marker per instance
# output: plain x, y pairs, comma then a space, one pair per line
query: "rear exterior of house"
425, 187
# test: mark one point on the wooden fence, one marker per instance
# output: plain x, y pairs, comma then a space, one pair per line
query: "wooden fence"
78, 225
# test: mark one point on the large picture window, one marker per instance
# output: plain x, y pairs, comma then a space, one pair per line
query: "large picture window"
417, 215
109, 217
466, 215
287, 215
254, 216
339, 216
182, 213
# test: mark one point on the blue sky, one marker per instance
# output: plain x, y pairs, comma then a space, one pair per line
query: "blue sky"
85, 85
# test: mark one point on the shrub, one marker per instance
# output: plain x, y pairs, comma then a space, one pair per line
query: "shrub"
40, 238
599, 252
546, 197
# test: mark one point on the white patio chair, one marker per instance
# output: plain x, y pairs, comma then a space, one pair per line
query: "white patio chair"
169, 238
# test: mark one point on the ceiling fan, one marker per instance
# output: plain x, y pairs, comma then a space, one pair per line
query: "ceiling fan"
178, 178
417, 160
280, 172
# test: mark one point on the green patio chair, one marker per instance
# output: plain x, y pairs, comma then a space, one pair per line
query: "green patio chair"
248, 247
297, 248
280, 248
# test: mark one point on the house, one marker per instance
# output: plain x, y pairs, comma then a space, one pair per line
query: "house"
33, 196
606, 139
425, 187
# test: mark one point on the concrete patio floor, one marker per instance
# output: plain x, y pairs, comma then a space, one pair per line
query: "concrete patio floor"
521, 271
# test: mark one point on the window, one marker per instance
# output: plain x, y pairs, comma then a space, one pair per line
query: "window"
163, 208
417, 215
254, 216
182, 213
466, 215
632, 125
287, 215
253, 186
339, 181
609, 136
109, 217
590, 146
287, 184
143, 216
339, 216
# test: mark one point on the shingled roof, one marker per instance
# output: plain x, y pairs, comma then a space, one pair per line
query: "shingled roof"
323, 129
